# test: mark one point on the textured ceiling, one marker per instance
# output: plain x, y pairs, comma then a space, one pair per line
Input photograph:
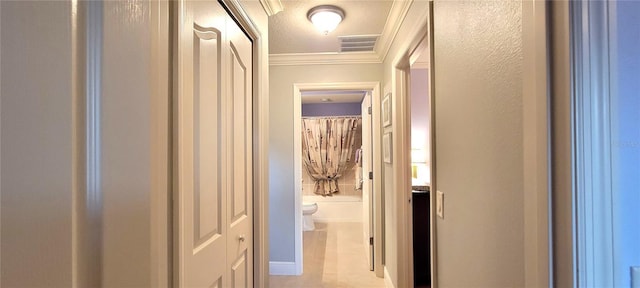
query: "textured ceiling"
291, 32
335, 96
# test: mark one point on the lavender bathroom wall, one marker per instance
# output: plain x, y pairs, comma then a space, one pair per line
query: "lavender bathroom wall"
331, 109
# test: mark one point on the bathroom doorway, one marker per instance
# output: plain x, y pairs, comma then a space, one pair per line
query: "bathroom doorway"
341, 226
421, 214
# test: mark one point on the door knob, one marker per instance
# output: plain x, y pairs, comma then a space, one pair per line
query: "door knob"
241, 238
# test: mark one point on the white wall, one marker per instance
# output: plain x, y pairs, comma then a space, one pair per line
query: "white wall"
281, 178
479, 146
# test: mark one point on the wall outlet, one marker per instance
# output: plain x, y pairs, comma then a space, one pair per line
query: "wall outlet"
440, 204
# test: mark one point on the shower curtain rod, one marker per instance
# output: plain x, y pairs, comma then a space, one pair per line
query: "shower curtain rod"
346, 116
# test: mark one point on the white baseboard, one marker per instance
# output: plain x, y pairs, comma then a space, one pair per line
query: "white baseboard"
282, 268
387, 279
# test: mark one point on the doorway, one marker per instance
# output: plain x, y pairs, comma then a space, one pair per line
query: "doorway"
414, 134
341, 208
421, 205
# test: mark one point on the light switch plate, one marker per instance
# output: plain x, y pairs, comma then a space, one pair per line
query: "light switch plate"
635, 277
440, 204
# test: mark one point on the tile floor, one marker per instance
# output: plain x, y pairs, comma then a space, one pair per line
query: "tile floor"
334, 256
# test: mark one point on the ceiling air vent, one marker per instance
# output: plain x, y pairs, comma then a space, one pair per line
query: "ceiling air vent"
362, 43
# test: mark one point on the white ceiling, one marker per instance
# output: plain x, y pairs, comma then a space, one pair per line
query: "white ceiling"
290, 32
334, 96
293, 40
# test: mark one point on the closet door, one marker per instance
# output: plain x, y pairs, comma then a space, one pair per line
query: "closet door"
213, 179
240, 206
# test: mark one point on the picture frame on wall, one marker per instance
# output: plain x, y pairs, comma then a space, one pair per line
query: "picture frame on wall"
386, 110
386, 147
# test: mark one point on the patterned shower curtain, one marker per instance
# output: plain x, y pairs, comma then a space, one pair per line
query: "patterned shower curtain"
327, 147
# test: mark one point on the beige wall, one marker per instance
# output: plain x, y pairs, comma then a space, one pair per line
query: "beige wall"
281, 178
37, 168
45, 238
134, 142
479, 143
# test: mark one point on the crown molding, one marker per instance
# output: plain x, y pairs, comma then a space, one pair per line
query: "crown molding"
272, 7
399, 10
324, 58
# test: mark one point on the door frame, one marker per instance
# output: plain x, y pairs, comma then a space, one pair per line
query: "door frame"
376, 103
414, 52
562, 214
260, 128
537, 136
420, 37
260, 140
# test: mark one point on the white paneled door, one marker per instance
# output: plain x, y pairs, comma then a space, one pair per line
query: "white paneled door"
213, 153
367, 182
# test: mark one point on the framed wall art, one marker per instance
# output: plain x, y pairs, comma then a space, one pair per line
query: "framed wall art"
386, 148
386, 110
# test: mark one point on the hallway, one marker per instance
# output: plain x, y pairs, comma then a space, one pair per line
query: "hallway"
334, 256
110, 119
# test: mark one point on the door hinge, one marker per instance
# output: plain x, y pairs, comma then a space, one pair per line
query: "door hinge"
369, 110
371, 175
370, 240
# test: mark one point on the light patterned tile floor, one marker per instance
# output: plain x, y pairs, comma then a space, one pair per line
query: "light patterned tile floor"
334, 256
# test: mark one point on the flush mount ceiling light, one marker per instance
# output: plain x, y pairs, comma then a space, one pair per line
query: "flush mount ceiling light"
326, 17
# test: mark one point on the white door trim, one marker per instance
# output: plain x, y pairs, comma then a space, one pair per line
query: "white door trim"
401, 141
536, 139
374, 87
562, 252
261, 140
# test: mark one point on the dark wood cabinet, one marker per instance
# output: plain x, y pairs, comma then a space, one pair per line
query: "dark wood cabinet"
421, 239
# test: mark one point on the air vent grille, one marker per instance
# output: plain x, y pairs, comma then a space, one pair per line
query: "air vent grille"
361, 43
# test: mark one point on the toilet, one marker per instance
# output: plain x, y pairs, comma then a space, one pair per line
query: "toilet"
307, 215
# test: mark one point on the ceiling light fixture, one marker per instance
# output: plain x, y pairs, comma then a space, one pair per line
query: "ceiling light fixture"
326, 17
